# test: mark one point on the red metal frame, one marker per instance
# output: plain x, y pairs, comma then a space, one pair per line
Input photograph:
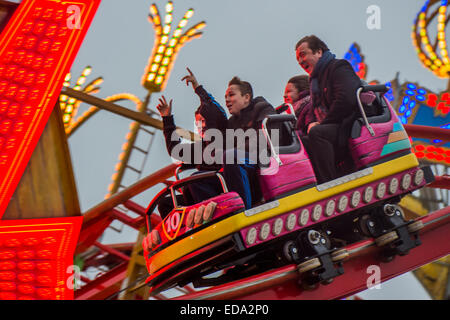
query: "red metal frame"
283, 283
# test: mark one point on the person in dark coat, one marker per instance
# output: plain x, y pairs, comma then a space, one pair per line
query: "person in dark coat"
333, 84
241, 160
297, 94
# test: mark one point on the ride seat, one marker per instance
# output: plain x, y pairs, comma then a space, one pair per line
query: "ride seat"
289, 168
382, 136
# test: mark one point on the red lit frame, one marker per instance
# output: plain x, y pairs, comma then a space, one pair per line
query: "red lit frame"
37, 48
36, 258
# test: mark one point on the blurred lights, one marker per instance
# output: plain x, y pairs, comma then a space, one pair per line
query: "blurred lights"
166, 46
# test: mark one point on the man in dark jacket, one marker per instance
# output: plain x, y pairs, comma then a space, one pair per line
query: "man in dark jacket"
241, 157
333, 84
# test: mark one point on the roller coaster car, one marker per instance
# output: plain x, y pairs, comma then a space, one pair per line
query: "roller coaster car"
297, 221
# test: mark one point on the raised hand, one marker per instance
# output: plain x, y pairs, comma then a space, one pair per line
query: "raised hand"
164, 108
190, 78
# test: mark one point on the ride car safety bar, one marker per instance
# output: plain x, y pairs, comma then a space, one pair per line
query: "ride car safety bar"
276, 118
180, 183
375, 88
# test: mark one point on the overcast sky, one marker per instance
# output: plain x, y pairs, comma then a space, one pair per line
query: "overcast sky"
253, 39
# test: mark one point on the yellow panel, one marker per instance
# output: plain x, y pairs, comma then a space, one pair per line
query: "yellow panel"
239, 221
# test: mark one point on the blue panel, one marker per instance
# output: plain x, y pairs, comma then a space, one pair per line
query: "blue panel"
396, 146
397, 127
425, 117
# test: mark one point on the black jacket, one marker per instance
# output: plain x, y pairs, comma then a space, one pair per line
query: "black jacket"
251, 117
338, 84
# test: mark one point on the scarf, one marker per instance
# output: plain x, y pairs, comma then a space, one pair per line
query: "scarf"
319, 110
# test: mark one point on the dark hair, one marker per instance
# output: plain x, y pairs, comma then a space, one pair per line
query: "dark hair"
244, 86
314, 43
301, 83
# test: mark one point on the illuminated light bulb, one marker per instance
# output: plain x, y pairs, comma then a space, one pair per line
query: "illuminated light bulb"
26, 254
183, 23
159, 80
44, 293
8, 296
164, 39
151, 76
26, 265
161, 49
153, 10
166, 29
44, 280
157, 20
177, 33
19, 126
125, 146
442, 9
172, 42
51, 30
168, 19
7, 286
200, 26
169, 52
66, 118
169, 6
63, 98
189, 13
26, 288
7, 265
12, 243
7, 275
7, 254
438, 62
154, 67
69, 109
165, 61
191, 32
183, 39
81, 81
87, 71
162, 70
49, 240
